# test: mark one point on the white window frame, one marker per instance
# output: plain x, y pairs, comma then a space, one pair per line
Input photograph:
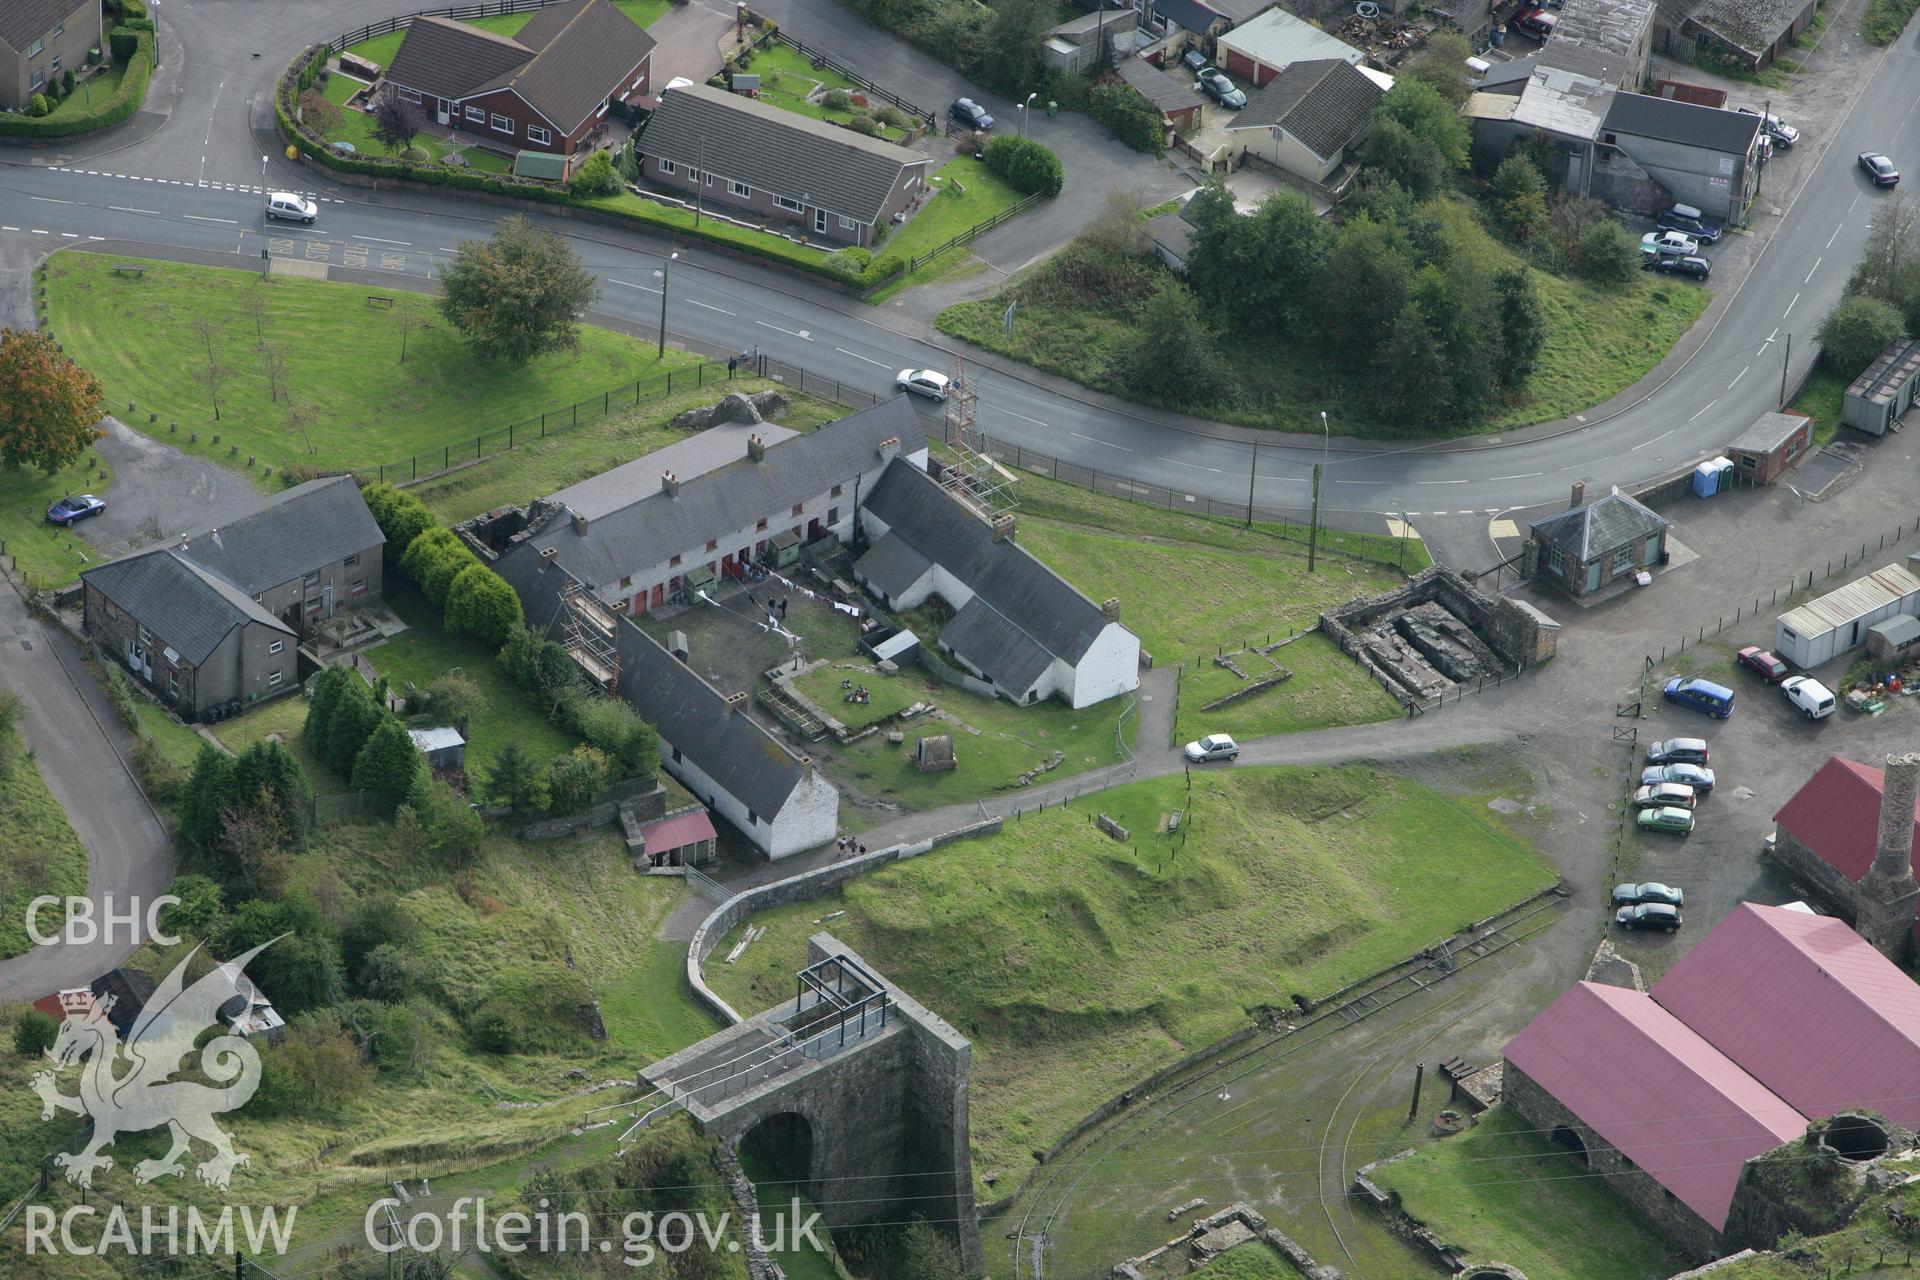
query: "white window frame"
848, 224
501, 124
912, 182
476, 115
668, 167
537, 134
39, 78
709, 177
409, 95
791, 206
820, 221
276, 646
33, 50
359, 587
59, 29
735, 187
274, 679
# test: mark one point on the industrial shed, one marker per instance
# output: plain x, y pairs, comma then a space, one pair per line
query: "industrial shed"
1831, 624
1772, 444
1891, 639
1888, 388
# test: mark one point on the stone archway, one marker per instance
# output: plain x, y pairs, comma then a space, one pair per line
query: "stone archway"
777, 1153
1569, 1141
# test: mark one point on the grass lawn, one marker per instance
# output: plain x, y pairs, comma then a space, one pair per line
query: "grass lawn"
101, 87
357, 128
426, 651
1506, 1194
1108, 960
1600, 340
969, 194
135, 334
381, 49
176, 741
544, 465
39, 854
787, 78
1822, 399
286, 717
47, 555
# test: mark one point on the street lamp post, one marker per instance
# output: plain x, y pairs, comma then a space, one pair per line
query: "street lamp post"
1024, 107
665, 267
1313, 533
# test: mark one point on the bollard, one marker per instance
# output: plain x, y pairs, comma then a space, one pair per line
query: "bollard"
152, 416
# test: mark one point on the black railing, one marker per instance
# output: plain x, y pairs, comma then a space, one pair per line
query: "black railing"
977, 229
820, 58
459, 13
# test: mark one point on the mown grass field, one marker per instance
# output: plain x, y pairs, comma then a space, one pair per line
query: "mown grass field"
1504, 1193
137, 335
47, 555
1077, 964
39, 853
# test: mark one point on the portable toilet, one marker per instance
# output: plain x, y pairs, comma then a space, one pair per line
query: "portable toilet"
1706, 481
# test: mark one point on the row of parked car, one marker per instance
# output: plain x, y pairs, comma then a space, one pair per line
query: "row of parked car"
1674, 246
1671, 787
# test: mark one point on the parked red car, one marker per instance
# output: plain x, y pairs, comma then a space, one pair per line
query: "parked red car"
1763, 664
1535, 21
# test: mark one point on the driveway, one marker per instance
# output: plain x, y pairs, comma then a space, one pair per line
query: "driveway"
159, 491
82, 752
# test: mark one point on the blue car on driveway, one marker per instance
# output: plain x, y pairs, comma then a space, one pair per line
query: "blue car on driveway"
1700, 695
74, 508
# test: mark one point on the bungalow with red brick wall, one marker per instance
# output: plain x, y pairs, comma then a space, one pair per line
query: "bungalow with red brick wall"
835, 184
544, 88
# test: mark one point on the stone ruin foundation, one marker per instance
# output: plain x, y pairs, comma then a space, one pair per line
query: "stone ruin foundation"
1436, 634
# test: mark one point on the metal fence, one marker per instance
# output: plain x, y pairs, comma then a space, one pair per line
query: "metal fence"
822, 59
977, 229
459, 13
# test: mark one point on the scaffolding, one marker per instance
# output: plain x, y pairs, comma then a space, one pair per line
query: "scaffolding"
590, 636
974, 478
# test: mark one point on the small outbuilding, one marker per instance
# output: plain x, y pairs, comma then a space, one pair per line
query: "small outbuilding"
1891, 639
683, 839
1775, 442
1593, 544
935, 754
443, 747
1888, 388
1831, 624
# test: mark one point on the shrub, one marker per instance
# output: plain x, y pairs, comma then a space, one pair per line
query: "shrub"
387, 766
37, 105
1608, 254
122, 44
577, 780
538, 1009
198, 910
1886, 19
836, 100
1130, 118
615, 728
434, 560
595, 177
401, 517
864, 125
1855, 333
1025, 165
66, 81
481, 604
33, 1033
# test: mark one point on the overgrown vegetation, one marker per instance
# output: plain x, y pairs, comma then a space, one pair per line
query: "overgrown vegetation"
1884, 20
1882, 299
39, 854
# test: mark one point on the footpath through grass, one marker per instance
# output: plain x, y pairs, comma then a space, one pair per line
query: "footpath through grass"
39, 853
1077, 964
1504, 1193
137, 334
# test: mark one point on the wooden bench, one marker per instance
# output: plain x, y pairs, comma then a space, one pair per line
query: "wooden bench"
375, 301
128, 269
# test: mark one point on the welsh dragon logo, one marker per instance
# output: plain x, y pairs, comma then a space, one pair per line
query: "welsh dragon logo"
143, 1096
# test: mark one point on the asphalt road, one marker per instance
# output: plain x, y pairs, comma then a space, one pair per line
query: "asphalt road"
196, 183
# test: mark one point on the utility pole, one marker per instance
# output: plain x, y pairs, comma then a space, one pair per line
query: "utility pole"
1419, 1074
1252, 472
665, 267
698, 179
1313, 535
1785, 359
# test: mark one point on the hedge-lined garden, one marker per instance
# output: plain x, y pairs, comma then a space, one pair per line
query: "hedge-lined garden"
131, 44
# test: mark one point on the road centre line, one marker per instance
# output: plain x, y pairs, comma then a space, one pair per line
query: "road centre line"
1703, 408
1528, 475
1036, 422
405, 244
49, 200
627, 284
1737, 377
198, 218
1656, 440
857, 356
1439, 481
1789, 310
1096, 440
695, 302
1196, 466
791, 333
1816, 267
1836, 234
120, 208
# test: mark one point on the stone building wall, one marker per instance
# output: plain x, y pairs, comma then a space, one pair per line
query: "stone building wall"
1515, 635
1807, 869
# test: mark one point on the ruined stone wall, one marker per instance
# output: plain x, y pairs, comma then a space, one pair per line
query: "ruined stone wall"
1400, 661
1807, 869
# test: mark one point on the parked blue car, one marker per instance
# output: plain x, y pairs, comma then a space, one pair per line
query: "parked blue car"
1700, 695
74, 508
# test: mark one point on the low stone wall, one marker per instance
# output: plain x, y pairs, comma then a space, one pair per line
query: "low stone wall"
642, 793
1515, 636
799, 888
1813, 874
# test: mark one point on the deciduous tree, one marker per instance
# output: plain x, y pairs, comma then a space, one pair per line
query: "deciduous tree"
1855, 333
1411, 162
1518, 198
396, 122
208, 370
48, 404
1427, 115
518, 294
1442, 65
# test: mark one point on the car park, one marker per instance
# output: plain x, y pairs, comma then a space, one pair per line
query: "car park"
970, 114
1762, 663
1194, 60
1672, 244
1675, 820
74, 508
1535, 21
291, 207
1222, 90
1215, 746
1687, 264
1688, 220
1879, 169
1678, 751
1809, 695
1632, 895
1782, 133
1665, 795
1648, 915
1697, 776
923, 382
1700, 695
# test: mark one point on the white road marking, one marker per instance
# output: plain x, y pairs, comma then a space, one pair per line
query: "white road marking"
1439, 481
1463, 513
1836, 234
37, 231
121, 208
1196, 466
49, 200
1095, 440
857, 356
444, 249
695, 302
1789, 310
802, 334
96, 237
9, 228
1336, 481
1737, 377
1023, 417
627, 284
405, 244
1644, 443
69, 235
1816, 267
1703, 408
198, 218
1526, 476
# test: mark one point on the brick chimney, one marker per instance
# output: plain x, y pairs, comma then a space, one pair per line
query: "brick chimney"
579, 524
737, 702
670, 484
1110, 609
1003, 528
1579, 494
889, 447
756, 448
1884, 906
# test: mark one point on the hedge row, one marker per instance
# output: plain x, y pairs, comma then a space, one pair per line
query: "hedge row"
849, 266
120, 107
1886, 19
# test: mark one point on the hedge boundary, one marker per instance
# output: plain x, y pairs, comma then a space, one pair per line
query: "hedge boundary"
874, 271
121, 107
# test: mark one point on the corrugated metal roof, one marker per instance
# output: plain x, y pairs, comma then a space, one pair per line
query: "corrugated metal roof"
1279, 39
677, 832
1836, 814
1807, 1007
440, 739
1656, 1090
1901, 628
1842, 605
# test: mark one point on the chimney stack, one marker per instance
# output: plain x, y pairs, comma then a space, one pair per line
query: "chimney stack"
1579, 494
889, 447
737, 702
579, 524
670, 484
756, 448
1110, 609
1884, 908
1003, 528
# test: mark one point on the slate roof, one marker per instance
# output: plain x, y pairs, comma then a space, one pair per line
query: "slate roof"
1656, 1090
1752, 25
1172, 232
1191, 15
1025, 609
892, 565
1325, 103
1807, 1006
130, 988
188, 608
1836, 814
1712, 128
655, 525
1515, 73
1598, 527
24, 21
566, 60
1768, 432
1169, 94
777, 151
699, 453
288, 535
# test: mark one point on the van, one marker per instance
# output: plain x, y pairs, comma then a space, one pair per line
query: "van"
1809, 695
292, 207
1699, 695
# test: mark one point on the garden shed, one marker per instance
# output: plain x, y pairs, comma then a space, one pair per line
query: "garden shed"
1831, 624
443, 747
1893, 637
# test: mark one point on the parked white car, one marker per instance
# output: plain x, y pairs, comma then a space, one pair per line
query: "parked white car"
1669, 244
1809, 695
923, 382
1215, 746
292, 207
